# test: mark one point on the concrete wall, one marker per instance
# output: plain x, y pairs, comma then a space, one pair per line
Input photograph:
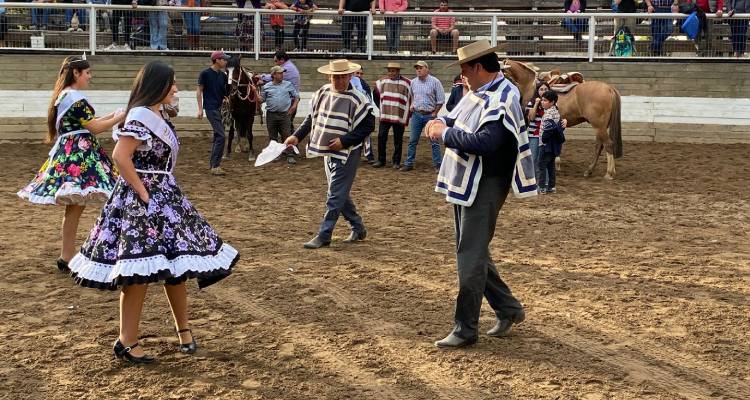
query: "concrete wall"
676, 98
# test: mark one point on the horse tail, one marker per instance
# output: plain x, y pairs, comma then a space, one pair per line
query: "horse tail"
615, 125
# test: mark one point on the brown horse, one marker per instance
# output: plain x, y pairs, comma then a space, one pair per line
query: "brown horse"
594, 102
243, 106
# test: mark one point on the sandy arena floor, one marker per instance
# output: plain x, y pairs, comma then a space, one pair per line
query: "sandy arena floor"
634, 289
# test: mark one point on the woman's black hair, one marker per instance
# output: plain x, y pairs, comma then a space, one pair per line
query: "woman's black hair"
536, 89
151, 85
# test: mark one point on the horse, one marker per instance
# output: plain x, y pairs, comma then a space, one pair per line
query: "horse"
243, 105
595, 102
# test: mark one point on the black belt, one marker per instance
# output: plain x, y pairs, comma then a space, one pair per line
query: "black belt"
425, 112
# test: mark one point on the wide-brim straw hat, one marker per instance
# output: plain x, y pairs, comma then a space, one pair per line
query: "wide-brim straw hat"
393, 65
474, 51
339, 67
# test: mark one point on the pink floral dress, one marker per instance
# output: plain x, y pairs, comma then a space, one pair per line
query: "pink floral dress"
78, 171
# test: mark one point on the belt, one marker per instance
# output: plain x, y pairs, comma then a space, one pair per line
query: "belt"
425, 112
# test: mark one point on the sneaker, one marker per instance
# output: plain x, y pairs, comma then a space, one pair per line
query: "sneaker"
291, 160
542, 191
406, 168
396, 166
251, 156
378, 164
126, 47
111, 47
551, 190
217, 171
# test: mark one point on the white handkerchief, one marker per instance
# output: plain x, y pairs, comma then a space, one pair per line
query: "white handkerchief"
273, 150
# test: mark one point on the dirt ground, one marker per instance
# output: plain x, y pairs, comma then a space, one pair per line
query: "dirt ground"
634, 289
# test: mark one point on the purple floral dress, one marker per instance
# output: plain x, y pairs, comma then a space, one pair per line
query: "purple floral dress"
78, 170
165, 240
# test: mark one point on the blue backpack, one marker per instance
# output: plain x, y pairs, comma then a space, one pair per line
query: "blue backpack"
691, 26
624, 43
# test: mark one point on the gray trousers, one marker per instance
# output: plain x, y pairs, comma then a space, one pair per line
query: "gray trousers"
477, 274
279, 126
340, 176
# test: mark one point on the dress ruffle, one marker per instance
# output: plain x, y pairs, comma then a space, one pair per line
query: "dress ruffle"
206, 268
66, 196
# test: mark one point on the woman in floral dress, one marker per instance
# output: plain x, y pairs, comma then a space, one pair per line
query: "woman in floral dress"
148, 231
78, 172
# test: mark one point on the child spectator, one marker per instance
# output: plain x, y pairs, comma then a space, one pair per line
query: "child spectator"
550, 143
305, 8
277, 22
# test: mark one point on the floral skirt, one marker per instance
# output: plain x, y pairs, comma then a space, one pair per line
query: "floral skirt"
78, 171
165, 240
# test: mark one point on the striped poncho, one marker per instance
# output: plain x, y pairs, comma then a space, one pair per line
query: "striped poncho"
334, 114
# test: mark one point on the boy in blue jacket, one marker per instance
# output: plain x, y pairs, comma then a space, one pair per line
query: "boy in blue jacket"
550, 143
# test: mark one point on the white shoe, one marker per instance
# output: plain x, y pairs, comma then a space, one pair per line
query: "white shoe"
126, 47
111, 47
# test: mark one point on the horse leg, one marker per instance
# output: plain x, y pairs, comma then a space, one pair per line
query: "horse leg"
610, 166
597, 151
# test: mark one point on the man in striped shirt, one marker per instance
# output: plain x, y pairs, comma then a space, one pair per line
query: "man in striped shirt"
392, 97
428, 97
340, 120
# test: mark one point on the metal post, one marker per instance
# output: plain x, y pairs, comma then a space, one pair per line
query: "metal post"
92, 30
257, 36
493, 31
370, 31
592, 37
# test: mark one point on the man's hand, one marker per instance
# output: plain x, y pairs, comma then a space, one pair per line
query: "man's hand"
291, 141
434, 130
650, 9
335, 144
564, 123
675, 9
719, 13
341, 11
292, 110
200, 114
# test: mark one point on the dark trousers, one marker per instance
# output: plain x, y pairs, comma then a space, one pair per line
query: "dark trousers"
348, 25
217, 150
278, 35
739, 34
660, 31
126, 17
393, 33
279, 125
300, 35
340, 176
545, 170
398, 141
477, 274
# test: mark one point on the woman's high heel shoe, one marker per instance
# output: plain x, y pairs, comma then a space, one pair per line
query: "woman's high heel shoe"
187, 348
123, 352
62, 265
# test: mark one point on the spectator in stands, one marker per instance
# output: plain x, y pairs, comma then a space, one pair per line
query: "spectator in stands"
193, 23
103, 16
277, 22
576, 25
281, 100
393, 24
3, 25
37, 20
158, 22
703, 41
211, 94
245, 30
126, 16
305, 9
428, 97
80, 13
660, 28
349, 22
458, 91
393, 97
623, 7
443, 28
738, 26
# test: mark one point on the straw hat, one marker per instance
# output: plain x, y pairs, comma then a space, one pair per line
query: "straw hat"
339, 67
393, 65
474, 51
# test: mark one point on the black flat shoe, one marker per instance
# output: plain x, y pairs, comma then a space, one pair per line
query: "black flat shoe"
62, 265
187, 348
123, 353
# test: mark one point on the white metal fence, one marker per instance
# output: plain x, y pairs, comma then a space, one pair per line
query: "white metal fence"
107, 28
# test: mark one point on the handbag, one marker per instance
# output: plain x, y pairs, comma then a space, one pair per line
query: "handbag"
691, 26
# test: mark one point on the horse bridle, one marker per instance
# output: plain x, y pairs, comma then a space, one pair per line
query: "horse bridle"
236, 85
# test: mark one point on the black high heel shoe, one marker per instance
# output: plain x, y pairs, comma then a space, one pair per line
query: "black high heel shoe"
62, 265
123, 353
187, 348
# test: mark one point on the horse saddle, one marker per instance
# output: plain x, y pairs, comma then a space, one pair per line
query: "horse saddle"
564, 83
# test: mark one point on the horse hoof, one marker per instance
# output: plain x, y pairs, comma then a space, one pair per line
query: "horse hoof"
609, 177
587, 174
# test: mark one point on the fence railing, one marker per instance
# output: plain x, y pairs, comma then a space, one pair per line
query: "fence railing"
110, 28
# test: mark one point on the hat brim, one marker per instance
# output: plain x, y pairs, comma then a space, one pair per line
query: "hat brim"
475, 56
326, 69
392, 67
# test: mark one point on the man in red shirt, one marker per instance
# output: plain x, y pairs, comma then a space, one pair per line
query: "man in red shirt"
443, 28
703, 41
